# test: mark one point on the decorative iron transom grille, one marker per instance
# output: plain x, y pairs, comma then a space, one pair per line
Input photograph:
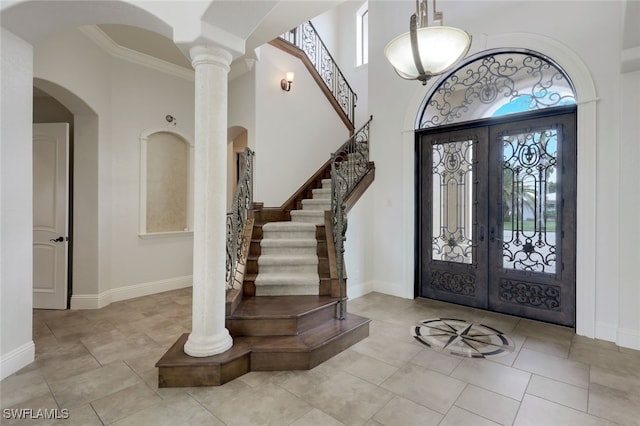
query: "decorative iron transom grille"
496, 83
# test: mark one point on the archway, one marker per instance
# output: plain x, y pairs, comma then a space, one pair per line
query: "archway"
24, 24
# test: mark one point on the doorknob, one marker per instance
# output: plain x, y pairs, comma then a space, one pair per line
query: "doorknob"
57, 240
481, 236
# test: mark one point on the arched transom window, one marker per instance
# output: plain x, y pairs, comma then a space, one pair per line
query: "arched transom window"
493, 83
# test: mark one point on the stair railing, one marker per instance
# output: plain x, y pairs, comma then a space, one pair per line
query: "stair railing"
349, 164
237, 243
306, 38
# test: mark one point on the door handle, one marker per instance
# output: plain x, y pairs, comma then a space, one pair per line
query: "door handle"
481, 236
492, 235
57, 240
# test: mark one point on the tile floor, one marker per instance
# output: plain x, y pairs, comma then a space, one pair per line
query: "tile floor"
99, 365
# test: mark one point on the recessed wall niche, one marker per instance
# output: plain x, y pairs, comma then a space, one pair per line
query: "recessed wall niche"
165, 200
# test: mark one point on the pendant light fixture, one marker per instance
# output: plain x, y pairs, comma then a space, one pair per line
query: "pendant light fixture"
426, 51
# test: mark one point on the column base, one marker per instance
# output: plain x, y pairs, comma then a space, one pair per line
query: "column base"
198, 346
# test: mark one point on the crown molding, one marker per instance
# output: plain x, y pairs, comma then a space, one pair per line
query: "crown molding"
103, 41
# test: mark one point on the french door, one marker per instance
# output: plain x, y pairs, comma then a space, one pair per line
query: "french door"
496, 214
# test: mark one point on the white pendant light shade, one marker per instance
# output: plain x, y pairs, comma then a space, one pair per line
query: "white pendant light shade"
439, 49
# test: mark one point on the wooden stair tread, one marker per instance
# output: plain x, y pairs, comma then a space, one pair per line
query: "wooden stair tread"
306, 341
267, 353
280, 306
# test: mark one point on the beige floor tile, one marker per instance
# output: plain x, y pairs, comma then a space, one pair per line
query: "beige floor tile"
564, 370
92, 385
40, 330
21, 387
147, 361
402, 412
71, 332
182, 410
166, 334
501, 322
39, 411
316, 417
599, 355
131, 347
397, 354
56, 368
425, 387
559, 392
362, 366
212, 396
506, 381
489, 405
347, 398
270, 404
617, 376
130, 336
536, 411
128, 401
55, 349
617, 405
299, 382
258, 378
459, 417
559, 348
543, 330
146, 323
509, 358
436, 361
83, 415
391, 331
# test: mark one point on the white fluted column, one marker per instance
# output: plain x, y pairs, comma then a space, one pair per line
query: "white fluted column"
208, 334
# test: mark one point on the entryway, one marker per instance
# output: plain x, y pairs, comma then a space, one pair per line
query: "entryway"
496, 214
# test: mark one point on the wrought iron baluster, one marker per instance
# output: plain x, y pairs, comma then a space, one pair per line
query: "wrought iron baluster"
345, 176
307, 39
237, 218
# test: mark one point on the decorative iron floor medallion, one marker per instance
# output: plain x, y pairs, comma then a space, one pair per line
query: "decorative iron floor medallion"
459, 337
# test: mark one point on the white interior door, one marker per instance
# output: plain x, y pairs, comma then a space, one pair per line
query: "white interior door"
50, 215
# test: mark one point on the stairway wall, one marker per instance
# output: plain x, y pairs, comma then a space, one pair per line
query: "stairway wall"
295, 131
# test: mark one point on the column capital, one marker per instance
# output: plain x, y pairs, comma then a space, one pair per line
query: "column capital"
211, 55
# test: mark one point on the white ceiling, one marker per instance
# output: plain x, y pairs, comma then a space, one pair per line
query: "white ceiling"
147, 42
256, 21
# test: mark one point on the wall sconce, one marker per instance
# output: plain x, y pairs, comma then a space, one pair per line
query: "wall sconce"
285, 83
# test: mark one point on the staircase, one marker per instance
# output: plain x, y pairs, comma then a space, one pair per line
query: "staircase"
290, 311
288, 263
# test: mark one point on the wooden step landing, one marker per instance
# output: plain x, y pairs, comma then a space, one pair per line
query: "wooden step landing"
261, 353
280, 315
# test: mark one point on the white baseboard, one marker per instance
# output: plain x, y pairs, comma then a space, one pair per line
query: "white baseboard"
628, 338
358, 290
393, 289
97, 301
16, 359
606, 331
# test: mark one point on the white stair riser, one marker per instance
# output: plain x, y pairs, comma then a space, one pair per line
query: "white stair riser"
270, 250
289, 235
316, 204
287, 290
288, 269
308, 216
322, 193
